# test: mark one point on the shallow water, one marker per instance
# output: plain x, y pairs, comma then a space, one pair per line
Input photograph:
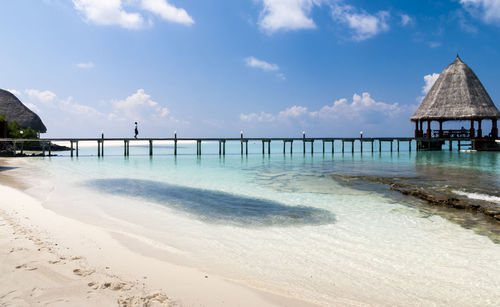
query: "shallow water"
281, 223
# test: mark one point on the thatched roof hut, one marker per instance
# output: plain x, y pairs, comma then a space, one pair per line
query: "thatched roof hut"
456, 95
15, 110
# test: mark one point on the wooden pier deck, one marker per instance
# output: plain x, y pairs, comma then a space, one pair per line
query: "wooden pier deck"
328, 144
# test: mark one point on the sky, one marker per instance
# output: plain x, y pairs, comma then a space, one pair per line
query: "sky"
213, 68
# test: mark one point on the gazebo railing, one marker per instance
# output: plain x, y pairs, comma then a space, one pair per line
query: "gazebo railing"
447, 134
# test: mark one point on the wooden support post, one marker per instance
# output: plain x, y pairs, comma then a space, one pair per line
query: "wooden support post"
102, 148
150, 147
224, 147
429, 129
262, 146
312, 147
242, 147
398, 145
409, 145
175, 147
71, 142
50, 149
323, 146
128, 148
124, 148
333, 146
22, 147
472, 131
77, 148
246, 147
342, 146
479, 129
284, 145
98, 148
304, 145
361, 143
269, 147
15, 149
43, 149
459, 145
379, 145
450, 144
392, 141
352, 146
291, 146
220, 147
372, 145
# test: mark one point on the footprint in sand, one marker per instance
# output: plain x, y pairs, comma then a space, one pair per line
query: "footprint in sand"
155, 299
83, 273
26, 267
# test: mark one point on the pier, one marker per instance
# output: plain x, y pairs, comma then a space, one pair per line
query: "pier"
328, 144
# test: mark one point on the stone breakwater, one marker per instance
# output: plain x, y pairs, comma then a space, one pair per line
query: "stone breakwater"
418, 188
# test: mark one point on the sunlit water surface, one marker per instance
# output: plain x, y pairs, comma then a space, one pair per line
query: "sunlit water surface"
283, 224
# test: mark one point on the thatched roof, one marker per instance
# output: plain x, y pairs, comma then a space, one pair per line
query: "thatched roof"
15, 110
457, 95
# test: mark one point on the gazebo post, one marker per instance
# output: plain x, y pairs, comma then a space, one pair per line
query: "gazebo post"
428, 129
440, 128
416, 129
494, 128
479, 130
421, 128
472, 131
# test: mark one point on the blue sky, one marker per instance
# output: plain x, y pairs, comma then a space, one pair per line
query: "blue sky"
213, 68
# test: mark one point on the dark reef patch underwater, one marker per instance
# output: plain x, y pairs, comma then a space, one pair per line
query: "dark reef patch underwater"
215, 206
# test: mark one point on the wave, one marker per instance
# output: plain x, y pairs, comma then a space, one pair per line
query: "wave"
479, 196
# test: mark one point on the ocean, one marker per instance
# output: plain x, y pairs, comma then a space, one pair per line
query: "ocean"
292, 224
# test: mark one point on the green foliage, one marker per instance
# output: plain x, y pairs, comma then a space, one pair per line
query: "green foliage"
2, 118
14, 131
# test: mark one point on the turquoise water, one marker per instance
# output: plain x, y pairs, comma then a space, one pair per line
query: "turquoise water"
283, 224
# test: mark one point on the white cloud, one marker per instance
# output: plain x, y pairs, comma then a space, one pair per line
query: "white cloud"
32, 107
362, 109
86, 65
167, 11
254, 117
429, 82
487, 10
405, 20
75, 108
286, 15
108, 12
42, 96
256, 63
363, 24
293, 112
15, 92
137, 106
281, 76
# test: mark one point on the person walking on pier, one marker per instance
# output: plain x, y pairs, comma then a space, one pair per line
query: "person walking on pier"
136, 131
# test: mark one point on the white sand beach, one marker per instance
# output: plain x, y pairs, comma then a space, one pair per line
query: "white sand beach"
48, 259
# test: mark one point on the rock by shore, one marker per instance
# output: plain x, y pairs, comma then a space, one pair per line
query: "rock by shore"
415, 187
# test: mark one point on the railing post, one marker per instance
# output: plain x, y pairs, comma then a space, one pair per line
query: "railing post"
175, 143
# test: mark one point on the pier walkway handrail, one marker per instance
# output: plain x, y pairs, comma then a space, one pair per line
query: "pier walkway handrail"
46, 143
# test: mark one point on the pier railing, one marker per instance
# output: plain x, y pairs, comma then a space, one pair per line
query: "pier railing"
328, 143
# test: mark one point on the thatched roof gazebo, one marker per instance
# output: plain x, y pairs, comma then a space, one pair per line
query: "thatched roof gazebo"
457, 95
15, 110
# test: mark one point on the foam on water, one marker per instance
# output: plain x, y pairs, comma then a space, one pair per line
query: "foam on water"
479, 196
281, 223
